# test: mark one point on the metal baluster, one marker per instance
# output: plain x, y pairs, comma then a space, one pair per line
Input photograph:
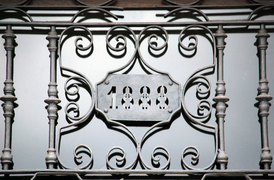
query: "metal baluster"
52, 100
221, 99
263, 98
8, 98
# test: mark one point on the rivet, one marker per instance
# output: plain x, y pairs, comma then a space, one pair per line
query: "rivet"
170, 83
170, 110
106, 82
106, 110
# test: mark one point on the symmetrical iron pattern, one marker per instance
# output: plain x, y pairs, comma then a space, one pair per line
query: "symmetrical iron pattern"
152, 98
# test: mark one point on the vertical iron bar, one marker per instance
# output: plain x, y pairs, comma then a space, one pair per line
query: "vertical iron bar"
8, 98
52, 100
220, 98
263, 98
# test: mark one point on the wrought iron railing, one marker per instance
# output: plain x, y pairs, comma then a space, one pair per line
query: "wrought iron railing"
124, 99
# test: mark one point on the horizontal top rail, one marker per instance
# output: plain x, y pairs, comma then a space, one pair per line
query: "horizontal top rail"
77, 7
138, 24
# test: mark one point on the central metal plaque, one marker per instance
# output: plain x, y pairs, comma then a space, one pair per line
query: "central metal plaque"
130, 97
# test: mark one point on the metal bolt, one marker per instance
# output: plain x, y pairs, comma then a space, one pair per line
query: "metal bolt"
170, 110
170, 83
106, 82
106, 110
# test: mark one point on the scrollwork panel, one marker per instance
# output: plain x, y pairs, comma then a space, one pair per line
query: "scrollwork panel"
142, 147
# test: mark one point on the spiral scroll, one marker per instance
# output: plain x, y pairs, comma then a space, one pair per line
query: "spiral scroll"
119, 152
120, 158
78, 157
199, 78
121, 43
202, 95
154, 34
191, 150
73, 105
118, 48
155, 158
76, 120
203, 88
192, 45
78, 46
158, 151
72, 87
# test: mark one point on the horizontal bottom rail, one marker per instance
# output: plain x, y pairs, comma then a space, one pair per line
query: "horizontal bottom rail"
159, 174
137, 172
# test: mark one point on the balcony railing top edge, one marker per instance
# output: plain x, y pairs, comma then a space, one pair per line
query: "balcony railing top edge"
198, 10
215, 23
137, 24
168, 7
77, 10
132, 4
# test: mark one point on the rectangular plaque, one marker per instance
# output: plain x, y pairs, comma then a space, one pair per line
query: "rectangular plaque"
129, 97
